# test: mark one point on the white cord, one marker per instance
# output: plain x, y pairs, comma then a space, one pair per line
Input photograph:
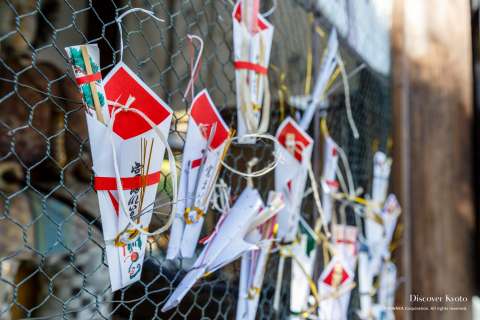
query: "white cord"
346, 87
190, 86
271, 10
119, 24
348, 172
262, 171
316, 197
171, 160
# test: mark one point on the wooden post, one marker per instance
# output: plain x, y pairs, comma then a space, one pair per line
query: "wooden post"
433, 116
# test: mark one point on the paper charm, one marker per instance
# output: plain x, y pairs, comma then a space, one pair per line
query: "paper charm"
334, 286
226, 244
85, 61
344, 240
383, 310
139, 153
295, 150
328, 66
390, 213
329, 183
365, 283
205, 145
381, 174
374, 229
370, 265
254, 262
252, 43
303, 265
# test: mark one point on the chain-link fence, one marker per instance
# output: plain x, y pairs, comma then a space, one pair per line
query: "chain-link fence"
52, 256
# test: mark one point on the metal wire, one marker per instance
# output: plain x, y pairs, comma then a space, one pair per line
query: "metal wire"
52, 254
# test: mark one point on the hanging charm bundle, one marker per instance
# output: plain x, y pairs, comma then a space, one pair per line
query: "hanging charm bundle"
379, 228
252, 43
206, 144
128, 137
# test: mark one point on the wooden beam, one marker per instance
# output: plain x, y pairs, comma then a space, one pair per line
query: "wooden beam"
433, 111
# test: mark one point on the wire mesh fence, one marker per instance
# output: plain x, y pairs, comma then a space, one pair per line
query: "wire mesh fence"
52, 255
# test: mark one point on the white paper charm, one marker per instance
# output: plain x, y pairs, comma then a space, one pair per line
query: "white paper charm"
344, 240
295, 150
254, 262
252, 42
329, 63
304, 252
205, 144
225, 245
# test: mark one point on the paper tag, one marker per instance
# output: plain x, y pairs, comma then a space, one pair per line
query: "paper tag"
251, 53
329, 182
291, 175
200, 165
139, 153
334, 285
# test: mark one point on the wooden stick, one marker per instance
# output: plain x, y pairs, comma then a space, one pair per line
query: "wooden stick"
96, 101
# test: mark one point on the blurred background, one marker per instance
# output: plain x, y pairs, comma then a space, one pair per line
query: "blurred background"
413, 69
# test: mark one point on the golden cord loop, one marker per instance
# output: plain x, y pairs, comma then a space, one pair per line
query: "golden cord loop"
199, 213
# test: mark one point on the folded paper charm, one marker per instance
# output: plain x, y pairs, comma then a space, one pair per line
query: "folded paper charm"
374, 229
252, 43
225, 245
327, 68
329, 182
334, 286
304, 251
383, 309
127, 153
254, 263
344, 240
205, 146
295, 150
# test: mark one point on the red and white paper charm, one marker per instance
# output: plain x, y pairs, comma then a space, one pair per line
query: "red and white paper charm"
329, 182
205, 146
127, 152
252, 43
344, 240
254, 263
334, 287
294, 151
